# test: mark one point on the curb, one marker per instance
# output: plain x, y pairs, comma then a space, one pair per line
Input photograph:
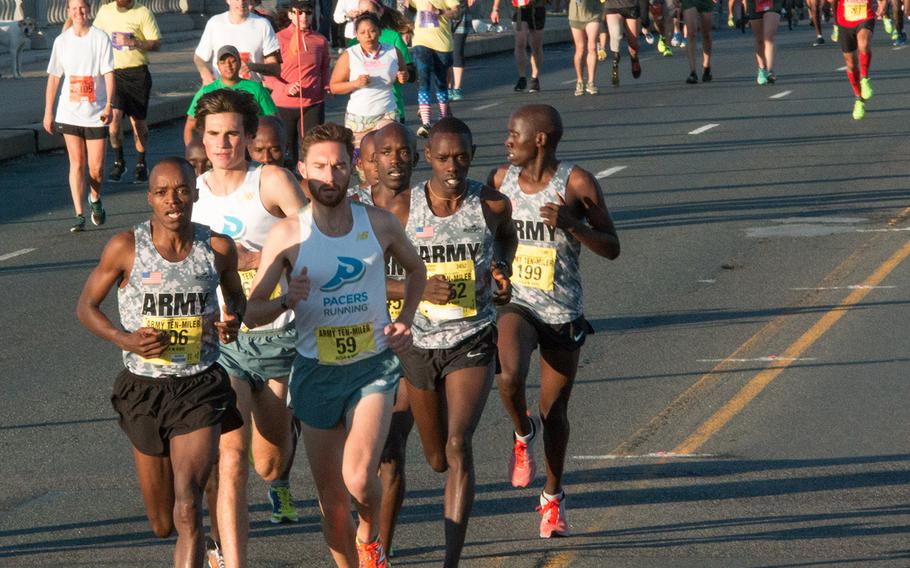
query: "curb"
29, 139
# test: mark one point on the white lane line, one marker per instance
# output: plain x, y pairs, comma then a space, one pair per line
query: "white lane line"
485, 107
15, 254
844, 68
569, 82
706, 281
898, 48
704, 128
768, 359
850, 287
654, 455
889, 230
780, 95
609, 171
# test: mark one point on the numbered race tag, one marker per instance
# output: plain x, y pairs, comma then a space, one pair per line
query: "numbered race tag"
427, 19
534, 267
341, 343
186, 339
855, 10
82, 89
460, 275
763, 5
245, 58
246, 281
394, 308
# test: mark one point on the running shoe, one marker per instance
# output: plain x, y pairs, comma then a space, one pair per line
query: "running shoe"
818, 41
706, 76
140, 174
772, 78
521, 463
553, 517
894, 34
887, 24
601, 54
859, 109
762, 78
675, 40
283, 510
649, 37
614, 73
579, 88
521, 85
692, 79
636, 68
834, 32
731, 23
116, 171
99, 215
423, 131
591, 89
865, 88
901, 39
78, 225
534, 85
683, 42
372, 555
456, 95
663, 48
213, 554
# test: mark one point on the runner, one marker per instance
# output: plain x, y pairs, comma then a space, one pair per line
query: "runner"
584, 22
558, 207
345, 374
764, 17
81, 60
133, 32
528, 19
173, 398
857, 22
697, 13
267, 147
464, 231
815, 18
623, 17
251, 34
366, 168
244, 200
195, 155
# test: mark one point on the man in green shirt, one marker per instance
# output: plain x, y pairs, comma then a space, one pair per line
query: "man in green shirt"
229, 68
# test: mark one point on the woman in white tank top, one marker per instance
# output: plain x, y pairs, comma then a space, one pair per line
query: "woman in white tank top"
367, 71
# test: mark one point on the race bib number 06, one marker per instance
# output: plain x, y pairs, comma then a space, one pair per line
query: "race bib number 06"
534, 267
344, 342
460, 276
186, 339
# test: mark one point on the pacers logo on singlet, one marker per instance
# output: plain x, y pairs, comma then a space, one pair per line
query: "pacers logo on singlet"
349, 270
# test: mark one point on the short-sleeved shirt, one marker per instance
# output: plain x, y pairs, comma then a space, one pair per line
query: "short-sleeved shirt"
313, 71
137, 22
254, 38
82, 62
430, 29
262, 96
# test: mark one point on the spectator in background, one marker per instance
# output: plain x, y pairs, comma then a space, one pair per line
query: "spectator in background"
394, 26
253, 37
433, 52
461, 27
301, 87
346, 11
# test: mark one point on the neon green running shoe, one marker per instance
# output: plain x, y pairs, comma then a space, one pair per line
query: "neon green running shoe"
834, 33
859, 109
887, 24
865, 88
663, 48
762, 78
730, 23
283, 510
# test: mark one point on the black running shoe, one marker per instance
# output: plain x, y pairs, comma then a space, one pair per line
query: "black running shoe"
116, 171
140, 174
706, 75
692, 79
521, 84
99, 215
79, 225
534, 85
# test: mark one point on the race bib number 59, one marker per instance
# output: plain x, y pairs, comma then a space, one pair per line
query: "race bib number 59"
344, 342
186, 339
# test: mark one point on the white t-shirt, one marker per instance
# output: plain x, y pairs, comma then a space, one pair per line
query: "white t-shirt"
341, 16
82, 62
376, 98
254, 38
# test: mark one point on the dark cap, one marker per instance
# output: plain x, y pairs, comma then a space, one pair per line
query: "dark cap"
228, 50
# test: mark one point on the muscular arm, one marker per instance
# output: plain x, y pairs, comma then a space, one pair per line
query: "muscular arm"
496, 176
498, 214
115, 265
276, 259
282, 196
583, 194
226, 264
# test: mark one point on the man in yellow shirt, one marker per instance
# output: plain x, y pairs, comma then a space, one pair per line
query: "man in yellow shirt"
133, 32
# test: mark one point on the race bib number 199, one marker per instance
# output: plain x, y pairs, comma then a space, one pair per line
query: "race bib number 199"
534, 267
341, 343
186, 339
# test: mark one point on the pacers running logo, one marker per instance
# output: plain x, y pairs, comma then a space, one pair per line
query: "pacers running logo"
349, 270
233, 227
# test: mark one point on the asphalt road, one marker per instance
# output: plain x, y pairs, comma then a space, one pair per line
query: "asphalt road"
742, 404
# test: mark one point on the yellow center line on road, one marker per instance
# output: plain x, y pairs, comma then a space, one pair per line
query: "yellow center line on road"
758, 383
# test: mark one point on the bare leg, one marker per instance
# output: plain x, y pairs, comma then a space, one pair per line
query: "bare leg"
192, 456
430, 417
557, 376
770, 20
578, 37
706, 42
517, 340
591, 30
156, 481
271, 433
536, 52
233, 472
392, 466
758, 32
95, 152
521, 45
691, 18
75, 149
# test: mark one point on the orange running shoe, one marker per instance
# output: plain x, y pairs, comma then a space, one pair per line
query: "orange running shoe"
553, 513
521, 463
372, 555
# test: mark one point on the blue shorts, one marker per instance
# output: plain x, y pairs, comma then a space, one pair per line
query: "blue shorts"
257, 356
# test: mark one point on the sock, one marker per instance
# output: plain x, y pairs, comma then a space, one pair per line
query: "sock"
854, 82
864, 60
423, 106
118, 154
140, 158
279, 483
546, 497
93, 199
529, 436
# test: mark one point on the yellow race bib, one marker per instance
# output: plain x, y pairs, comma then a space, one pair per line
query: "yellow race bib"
246, 281
461, 277
855, 10
534, 267
341, 343
394, 308
186, 339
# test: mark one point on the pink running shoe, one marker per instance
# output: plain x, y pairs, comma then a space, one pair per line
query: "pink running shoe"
521, 464
553, 521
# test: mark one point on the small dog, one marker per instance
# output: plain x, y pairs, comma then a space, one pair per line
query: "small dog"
15, 35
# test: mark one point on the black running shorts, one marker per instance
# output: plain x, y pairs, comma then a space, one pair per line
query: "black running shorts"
534, 16
560, 337
847, 36
154, 410
134, 85
84, 132
425, 368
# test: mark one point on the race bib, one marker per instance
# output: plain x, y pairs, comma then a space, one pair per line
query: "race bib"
763, 5
245, 58
534, 267
82, 89
118, 40
186, 339
855, 10
394, 308
427, 19
246, 280
460, 275
344, 342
